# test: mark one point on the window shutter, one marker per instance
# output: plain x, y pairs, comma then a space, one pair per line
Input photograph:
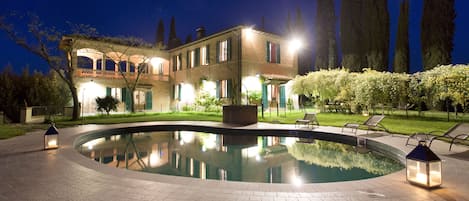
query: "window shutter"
124, 94
207, 55
278, 52
179, 91
282, 96
197, 57
228, 53
265, 100
228, 88
148, 100
267, 51
218, 89
108, 91
188, 60
217, 56
174, 63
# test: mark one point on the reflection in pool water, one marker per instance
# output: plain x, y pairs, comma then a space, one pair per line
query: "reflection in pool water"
267, 159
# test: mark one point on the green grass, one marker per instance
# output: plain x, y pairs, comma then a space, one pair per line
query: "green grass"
397, 122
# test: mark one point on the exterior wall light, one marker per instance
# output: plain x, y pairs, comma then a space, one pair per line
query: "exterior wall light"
295, 45
51, 138
423, 167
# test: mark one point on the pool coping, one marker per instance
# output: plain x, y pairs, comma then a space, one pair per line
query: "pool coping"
389, 186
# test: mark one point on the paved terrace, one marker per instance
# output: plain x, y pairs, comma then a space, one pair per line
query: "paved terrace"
29, 173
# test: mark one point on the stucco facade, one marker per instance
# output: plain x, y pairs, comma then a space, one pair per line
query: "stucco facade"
229, 65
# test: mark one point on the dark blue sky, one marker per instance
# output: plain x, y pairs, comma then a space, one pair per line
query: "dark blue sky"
139, 18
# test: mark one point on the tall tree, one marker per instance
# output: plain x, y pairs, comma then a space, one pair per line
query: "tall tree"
325, 37
159, 40
437, 32
297, 29
173, 40
288, 28
188, 39
351, 35
375, 16
43, 42
401, 53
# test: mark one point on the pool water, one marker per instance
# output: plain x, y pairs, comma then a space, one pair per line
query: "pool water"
250, 158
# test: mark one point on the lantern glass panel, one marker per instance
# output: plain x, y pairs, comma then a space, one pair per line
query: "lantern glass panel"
417, 172
435, 173
51, 141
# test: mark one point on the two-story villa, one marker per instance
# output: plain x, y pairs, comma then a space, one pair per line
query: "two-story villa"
228, 65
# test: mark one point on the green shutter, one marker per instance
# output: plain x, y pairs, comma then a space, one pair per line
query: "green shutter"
179, 91
188, 63
197, 57
229, 88
218, 89
148, 100
267, 51
174, 63
265, 100
282, 96
228, 54
278, 52
207, 55
108, 91
124, 94
217, 56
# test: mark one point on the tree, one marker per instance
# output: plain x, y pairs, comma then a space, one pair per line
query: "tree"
437, 32
173, 40
159, 40
375, 17
325, 40
43, 42
401, 53
106, 104
351, 35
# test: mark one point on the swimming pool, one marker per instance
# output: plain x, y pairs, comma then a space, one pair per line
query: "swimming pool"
246, 156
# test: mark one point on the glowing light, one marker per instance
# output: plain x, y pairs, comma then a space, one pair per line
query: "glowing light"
187, 93
154, 159
52, 143
155, 61
92, 143
249, 33
296, 180
295, 45
209, 87
289, 141
252, 83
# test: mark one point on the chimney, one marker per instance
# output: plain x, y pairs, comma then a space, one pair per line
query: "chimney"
200, 32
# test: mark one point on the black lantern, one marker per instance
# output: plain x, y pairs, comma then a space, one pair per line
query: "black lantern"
51, 138
423, 167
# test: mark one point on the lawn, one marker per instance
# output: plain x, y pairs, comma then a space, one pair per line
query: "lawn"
397, 122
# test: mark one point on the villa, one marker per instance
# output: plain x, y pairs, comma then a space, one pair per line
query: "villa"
228, 65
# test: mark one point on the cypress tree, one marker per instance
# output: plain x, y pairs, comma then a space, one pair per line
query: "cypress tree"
351, 35
375, 16
159, 42
173, 40
325, 43
305, 55
401, 53
437, 32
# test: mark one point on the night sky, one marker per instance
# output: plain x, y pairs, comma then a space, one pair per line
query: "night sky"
139, 18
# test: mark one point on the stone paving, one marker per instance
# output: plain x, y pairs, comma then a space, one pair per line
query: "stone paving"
29, 173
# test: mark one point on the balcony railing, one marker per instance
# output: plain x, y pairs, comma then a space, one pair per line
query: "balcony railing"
117, 75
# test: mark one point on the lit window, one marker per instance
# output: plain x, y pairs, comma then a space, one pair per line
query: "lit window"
192, 58
177, 92
223, 88
178, 62
116, 93
223, 50
204, 55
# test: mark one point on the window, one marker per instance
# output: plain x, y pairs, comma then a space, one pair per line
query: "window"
204, 55
177, 92
158, 69
116, 93
272, 52
177, 62
224, 50
192, 56
223, 89
195, 58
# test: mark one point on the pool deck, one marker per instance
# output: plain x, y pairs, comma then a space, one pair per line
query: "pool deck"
29, 173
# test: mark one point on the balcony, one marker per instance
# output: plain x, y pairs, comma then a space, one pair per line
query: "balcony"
89, 73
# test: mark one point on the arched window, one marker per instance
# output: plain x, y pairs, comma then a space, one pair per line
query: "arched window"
123, 66
110, 65
84, 62
99, 64
132, 67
